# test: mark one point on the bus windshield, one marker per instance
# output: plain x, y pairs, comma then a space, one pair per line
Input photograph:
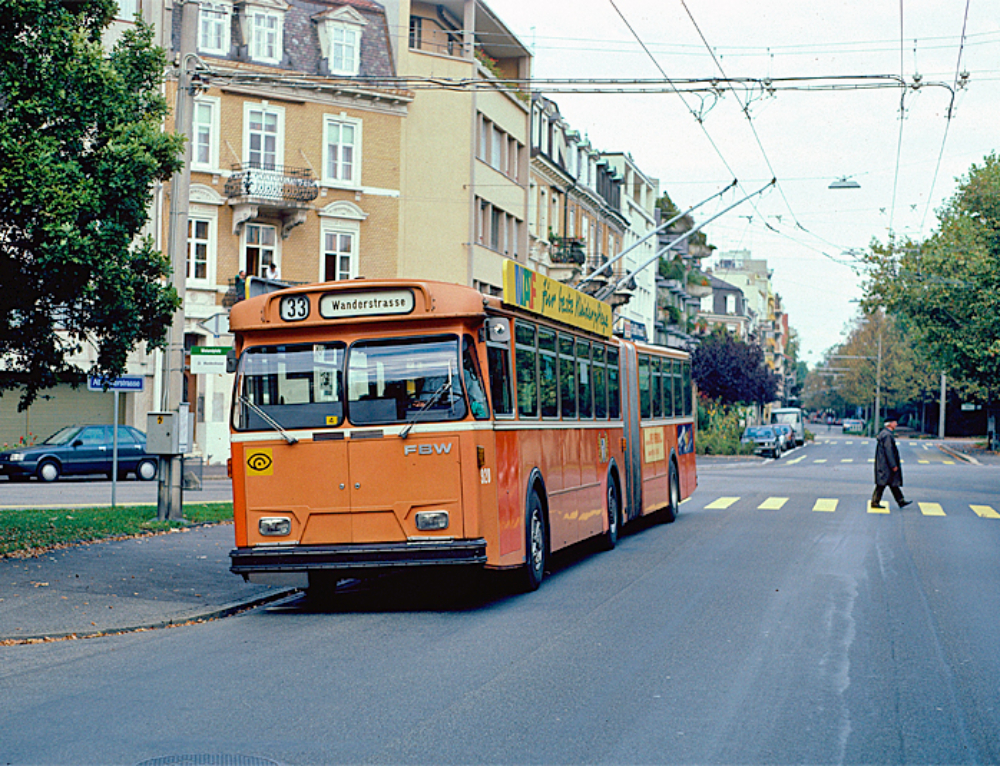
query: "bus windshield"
303, 385
399, 380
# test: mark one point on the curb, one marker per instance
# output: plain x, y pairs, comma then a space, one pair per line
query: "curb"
956, 454
214, 613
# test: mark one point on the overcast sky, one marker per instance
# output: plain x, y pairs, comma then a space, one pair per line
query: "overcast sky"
696, 145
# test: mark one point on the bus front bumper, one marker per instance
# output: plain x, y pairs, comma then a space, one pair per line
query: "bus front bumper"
289, 566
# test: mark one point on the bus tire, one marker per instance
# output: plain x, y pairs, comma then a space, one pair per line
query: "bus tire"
673, 508
613, 507
536, 549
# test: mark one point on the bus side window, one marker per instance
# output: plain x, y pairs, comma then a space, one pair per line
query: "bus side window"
686, 387
668, 387
645, 386
657, 395
600, 383
526, 366
548, 377
474, 382
498, 359
567, 376
614, 390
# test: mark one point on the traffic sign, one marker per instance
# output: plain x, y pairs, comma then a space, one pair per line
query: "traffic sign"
209, 359
121, 383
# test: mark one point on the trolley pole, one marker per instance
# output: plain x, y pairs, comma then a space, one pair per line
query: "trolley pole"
170, 494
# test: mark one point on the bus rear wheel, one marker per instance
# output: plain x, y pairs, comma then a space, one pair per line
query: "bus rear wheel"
610, 538
534, 567
673, 508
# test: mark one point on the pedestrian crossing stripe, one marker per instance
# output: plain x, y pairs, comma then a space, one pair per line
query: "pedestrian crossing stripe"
985, 512
796, 460
722, 502
773, 504
830, 504
847, 460
923, 462
821, 460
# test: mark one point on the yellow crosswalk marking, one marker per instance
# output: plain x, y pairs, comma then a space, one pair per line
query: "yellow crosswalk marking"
847, 460
722, 502
931, 509
828, 504
796, 460
985, 512
772, 504
821, 460
884, 508
949, 462
923, 462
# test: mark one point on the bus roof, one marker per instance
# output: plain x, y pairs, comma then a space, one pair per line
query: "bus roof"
348, 302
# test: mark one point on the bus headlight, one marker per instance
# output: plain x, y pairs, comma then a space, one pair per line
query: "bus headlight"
275, 526
430, 520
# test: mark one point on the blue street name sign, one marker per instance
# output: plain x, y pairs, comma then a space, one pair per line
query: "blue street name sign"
124, 383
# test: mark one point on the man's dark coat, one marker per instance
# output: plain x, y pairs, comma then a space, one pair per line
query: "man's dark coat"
887, 457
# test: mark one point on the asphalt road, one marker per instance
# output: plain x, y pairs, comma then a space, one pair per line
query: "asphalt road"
762, 627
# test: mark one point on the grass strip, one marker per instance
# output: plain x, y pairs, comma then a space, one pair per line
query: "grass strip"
31, 531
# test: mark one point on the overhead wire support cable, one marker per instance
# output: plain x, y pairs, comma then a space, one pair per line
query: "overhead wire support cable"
662, 227
608, 290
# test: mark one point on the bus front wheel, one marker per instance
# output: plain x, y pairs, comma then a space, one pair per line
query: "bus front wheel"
535, 548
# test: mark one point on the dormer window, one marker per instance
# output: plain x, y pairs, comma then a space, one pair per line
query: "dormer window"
340, 39
214, 28
262, 23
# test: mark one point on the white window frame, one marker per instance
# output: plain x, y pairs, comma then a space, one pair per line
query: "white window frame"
340, 218
214, 17
333, 26
127, 9
211, 127
341, 121
340, 229
245, 242
210, 215
260, 36
264, 106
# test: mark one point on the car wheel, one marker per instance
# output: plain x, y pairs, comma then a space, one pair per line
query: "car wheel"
777, 452
145, 470
534, 567
49, 471
610, 538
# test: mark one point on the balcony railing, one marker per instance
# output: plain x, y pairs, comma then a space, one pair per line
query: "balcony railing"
272, 182
567, 250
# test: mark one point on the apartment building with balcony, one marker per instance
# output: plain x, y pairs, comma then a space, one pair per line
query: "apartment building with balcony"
464, 151
577, 220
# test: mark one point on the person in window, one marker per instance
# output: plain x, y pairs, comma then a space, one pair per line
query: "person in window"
271, 270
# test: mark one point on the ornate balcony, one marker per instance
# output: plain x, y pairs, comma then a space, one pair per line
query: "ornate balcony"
281, 191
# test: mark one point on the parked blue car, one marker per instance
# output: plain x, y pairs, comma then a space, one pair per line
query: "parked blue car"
78, 450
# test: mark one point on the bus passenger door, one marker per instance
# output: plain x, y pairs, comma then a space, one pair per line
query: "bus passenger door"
632, 431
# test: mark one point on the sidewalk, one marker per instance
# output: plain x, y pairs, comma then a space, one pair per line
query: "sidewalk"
125, 585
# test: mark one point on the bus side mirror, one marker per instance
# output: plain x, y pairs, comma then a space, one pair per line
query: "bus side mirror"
498, 331
231, 361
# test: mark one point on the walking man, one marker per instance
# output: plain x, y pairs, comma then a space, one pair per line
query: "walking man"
888, 471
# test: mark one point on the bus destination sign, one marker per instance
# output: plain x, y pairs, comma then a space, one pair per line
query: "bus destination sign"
542, 295
365, 303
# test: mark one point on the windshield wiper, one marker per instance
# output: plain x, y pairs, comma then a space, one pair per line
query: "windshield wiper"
430, 403
275, 425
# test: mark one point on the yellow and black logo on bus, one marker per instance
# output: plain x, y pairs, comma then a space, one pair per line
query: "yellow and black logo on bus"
259, 462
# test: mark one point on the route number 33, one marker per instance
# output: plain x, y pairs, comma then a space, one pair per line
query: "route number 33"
294, 307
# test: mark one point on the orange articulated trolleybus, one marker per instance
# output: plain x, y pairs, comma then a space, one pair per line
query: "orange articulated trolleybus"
384, 424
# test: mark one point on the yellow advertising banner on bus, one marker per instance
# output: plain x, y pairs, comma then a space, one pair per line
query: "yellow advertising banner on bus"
542, 295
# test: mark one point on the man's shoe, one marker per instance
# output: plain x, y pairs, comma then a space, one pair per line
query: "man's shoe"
905, 503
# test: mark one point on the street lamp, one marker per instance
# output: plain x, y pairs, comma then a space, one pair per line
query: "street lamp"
844, 183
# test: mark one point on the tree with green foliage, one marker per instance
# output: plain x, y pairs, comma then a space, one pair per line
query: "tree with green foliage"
728, 370
947, 288
82, 142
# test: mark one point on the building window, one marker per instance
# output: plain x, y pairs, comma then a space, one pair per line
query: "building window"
340, 259
213, 28
260, 248
263, 144
342, 147
267, 37
340, 39
416, 32
199, 246
205, 130
496, 149
127, 9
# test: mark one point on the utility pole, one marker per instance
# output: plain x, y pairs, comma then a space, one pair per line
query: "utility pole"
170, 495
878, 386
